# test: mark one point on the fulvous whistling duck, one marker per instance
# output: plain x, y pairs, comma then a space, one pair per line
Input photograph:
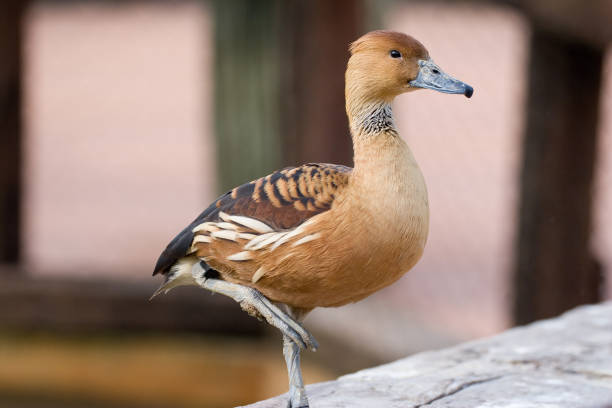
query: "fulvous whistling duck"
321, 234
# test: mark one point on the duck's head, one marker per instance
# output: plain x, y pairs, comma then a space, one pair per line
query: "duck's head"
384, 64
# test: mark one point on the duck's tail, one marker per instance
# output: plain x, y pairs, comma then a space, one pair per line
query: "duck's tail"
180, 274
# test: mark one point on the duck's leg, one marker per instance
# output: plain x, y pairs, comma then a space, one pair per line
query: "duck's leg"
251, 300
297, 393
291, 351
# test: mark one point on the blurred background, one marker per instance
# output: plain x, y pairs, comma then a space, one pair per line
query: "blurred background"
121, 120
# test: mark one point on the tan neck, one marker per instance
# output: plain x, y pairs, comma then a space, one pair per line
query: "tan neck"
376, 142
385, 173
385, 165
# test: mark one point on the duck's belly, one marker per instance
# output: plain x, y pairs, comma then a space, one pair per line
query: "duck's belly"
349, 264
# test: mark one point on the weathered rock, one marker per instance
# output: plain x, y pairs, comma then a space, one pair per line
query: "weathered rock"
562, 362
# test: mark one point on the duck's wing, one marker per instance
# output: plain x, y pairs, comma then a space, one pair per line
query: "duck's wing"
278, 202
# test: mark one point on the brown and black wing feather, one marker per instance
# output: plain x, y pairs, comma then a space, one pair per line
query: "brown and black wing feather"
283, 200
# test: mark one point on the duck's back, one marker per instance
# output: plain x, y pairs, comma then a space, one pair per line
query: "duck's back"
245, 228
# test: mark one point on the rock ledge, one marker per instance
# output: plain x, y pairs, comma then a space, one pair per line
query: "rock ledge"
561, 362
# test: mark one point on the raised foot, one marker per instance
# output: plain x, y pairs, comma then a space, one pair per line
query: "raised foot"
253, 302
279, 319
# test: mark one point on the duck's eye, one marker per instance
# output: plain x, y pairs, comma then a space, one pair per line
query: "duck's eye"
395, 54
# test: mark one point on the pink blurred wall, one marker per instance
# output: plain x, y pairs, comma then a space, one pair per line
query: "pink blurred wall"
117, 114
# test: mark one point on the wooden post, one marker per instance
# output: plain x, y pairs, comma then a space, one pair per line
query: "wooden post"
11, 12
316, 38
247, 89
279, 80
555, 269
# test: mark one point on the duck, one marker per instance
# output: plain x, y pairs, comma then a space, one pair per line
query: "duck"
322, 235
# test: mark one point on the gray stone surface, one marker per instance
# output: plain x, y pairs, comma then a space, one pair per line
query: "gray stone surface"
562, 362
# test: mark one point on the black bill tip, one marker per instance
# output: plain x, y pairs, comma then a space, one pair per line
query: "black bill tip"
469, 91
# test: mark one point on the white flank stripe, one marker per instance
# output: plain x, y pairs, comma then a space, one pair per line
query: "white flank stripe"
227, 226
201, 238
205, 227
258, 274
272, 238
198, 239
224, 234
251, 223
258, 239
224, 216
307, 238
198, 228
286, 238
241, 256
246, 235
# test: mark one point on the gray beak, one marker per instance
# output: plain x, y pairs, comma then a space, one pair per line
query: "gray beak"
432, 77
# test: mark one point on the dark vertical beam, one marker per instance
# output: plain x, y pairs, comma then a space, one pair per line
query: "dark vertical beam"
316, 36
555, 269
11, 12
279, 84
247, 89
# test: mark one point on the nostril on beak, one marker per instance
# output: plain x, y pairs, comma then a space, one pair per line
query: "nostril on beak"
469, 91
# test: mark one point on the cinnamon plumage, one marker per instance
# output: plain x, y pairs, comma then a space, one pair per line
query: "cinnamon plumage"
322, 235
